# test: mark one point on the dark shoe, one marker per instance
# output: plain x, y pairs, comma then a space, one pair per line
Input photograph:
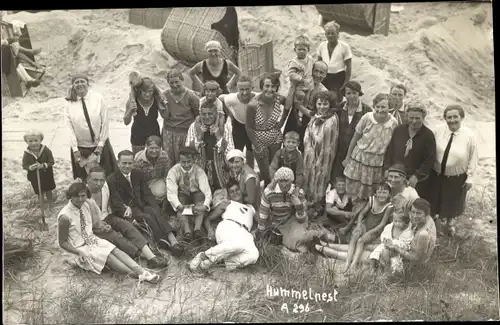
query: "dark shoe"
32, 84
163, 244
157, 263
188, 237
198, 234
177, 250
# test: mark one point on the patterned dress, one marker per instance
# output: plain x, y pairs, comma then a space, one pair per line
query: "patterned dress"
320, 148
268, 132
81, 236
364, 169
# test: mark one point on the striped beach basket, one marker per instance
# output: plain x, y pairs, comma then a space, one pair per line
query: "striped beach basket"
187, 30
154, 18
363, 19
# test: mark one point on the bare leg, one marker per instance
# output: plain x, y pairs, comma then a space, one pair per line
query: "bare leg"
128, 261
338, 247
352, 249
357, 254
327, 251
147, 253
210, 231
24, 75
116, 265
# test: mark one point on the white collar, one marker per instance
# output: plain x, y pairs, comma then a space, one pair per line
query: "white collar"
358, 110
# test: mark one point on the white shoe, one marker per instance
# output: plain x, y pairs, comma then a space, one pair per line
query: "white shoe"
149, 277
195, 262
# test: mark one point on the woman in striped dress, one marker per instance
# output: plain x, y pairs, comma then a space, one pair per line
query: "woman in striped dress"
265, 117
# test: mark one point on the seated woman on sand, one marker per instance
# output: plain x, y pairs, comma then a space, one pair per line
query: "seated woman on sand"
75, 223
215, 68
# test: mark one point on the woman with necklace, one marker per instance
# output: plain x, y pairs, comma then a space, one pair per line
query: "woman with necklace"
265, 117
350, 114
182, 109
413, 144
215, 68
144, 110
365, 157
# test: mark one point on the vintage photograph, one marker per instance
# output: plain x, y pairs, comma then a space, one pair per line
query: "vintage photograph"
304, 163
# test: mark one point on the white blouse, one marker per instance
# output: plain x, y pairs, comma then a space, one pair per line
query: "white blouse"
341, 53
463, 156
79, 132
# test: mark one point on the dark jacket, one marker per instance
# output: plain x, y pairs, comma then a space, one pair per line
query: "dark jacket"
420, 158
121, 194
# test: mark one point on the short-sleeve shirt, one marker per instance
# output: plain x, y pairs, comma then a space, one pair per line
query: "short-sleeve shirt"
341, 53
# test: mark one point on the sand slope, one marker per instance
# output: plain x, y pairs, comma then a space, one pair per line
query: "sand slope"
443, 52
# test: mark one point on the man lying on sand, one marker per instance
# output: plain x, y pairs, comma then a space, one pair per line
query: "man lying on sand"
235, 244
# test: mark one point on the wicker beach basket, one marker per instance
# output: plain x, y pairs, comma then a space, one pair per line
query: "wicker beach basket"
187, 30
364, 19
154, 18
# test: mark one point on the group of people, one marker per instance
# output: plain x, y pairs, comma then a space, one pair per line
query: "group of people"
344, 179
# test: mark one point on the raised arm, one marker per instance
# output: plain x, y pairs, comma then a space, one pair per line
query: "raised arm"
236, 74
194, 74
130, 109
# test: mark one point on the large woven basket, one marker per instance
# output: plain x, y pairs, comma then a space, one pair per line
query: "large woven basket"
368, 18
154, 18
187, 30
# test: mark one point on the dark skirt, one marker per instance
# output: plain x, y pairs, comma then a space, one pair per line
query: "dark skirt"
46, 180
107, 162
448, 195
334, 81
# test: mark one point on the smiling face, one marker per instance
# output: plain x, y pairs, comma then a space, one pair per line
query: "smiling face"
176, 84
81, 87
79, 199
208, 115
382, 194
322, 106
396, 180
153, 150
290, 144
34, 142
319, 72
234, 194
126, 163
417, 217
285, 185
236, 164
213, 54
186, 161
453, 119
381, 110
415, 119
340, 187
146, 94
244, 90
268, 89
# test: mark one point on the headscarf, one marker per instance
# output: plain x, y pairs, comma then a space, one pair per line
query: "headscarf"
284, 174
235, 153
72, 97
213, 45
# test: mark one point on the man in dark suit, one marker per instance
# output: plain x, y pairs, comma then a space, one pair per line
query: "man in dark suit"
131, 198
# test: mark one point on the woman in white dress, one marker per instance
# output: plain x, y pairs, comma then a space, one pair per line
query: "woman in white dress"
75, 223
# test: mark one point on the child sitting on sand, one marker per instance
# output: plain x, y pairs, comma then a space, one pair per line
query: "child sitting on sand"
397, 233
289, 156
135, 81
338, 204
38, 158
